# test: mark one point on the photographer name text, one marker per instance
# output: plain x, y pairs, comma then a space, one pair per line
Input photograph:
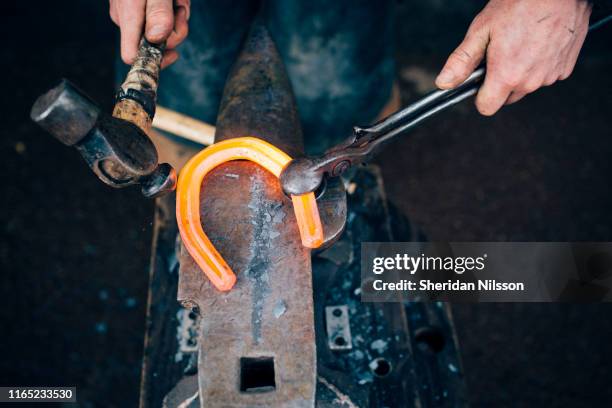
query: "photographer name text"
450, 285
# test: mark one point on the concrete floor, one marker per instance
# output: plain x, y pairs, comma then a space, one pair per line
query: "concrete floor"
74, 253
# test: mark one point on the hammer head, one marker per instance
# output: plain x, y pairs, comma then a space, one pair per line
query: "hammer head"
118, 152
66, 113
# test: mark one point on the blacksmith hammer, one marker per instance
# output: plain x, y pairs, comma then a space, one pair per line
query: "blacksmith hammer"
116, 147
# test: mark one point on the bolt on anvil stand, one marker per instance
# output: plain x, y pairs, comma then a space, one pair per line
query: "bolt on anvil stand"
292, 332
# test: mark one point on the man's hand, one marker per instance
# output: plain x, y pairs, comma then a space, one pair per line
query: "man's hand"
161, 20
527, 43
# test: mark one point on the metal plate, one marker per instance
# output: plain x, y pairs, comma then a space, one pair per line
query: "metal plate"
338, 327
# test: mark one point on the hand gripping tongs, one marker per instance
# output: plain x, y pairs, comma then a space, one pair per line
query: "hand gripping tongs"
306, 174
303, 175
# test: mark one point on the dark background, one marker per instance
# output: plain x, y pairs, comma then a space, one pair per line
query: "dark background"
74, 253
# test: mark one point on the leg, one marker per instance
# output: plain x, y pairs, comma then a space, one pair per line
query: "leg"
339, 56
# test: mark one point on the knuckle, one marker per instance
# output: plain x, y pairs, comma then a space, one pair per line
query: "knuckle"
460, 61
477, 23
507, 76
461, 56
531, 86
565, 74
551, 79
160, 17
510, 79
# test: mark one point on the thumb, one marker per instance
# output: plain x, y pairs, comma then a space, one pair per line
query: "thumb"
464, 60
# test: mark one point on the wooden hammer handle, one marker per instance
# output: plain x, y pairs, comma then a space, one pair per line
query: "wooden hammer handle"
184, 126
138, 93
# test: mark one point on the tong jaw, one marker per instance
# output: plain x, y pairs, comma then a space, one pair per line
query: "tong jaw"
305, 174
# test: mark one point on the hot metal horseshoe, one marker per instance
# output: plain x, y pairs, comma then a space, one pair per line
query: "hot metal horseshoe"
188, 202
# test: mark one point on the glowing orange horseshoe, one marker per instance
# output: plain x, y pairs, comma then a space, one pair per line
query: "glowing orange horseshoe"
188, 202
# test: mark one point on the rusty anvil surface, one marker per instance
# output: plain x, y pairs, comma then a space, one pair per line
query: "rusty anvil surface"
269, 312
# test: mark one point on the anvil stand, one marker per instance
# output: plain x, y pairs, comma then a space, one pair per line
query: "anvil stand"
257, 345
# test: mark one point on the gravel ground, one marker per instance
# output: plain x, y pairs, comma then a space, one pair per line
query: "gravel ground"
74, 253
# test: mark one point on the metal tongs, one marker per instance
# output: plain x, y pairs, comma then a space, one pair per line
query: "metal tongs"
304, 175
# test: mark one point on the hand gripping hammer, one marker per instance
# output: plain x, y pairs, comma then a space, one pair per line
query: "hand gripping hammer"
116, 147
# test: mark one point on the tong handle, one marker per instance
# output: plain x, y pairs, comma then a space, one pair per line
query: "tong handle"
397, 120
306, 174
